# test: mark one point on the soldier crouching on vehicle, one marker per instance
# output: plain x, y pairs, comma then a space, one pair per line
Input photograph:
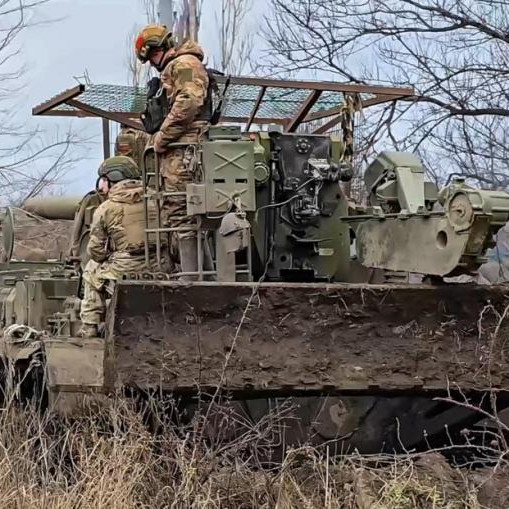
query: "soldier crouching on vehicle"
129, 142
117, 238
183, 86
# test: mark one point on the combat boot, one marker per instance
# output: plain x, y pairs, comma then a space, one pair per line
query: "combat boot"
89, 330
188, 253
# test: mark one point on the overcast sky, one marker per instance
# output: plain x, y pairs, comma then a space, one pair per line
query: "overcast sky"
91, 35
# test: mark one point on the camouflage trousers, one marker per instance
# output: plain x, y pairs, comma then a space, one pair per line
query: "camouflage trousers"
99, 283
176, 173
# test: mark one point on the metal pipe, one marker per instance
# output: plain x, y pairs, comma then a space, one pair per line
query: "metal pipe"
158, 210
174, 229
61, 207
250, 257
106, 138
146, 198
200, 250
205, 273
208, 260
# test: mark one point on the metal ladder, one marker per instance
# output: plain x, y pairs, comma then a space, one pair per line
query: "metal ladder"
153, 192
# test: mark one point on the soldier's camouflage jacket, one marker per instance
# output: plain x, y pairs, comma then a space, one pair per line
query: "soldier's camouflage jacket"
186, 82
117, 235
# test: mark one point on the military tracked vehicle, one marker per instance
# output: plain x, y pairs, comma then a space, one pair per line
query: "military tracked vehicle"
294, 295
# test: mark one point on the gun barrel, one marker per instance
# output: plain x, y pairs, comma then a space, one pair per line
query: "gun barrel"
59, 207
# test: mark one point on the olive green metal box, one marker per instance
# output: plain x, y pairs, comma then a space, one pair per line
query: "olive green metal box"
228, 168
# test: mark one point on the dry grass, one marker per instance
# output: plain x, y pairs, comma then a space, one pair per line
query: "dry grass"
113, 458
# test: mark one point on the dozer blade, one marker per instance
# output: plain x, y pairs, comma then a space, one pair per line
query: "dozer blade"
304, 339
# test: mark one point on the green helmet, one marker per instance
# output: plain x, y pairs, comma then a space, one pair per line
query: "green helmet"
119, 168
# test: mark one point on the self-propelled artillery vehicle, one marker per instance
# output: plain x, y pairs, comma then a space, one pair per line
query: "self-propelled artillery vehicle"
294, 296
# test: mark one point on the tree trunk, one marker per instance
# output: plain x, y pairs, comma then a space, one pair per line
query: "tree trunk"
165, 12
193, 20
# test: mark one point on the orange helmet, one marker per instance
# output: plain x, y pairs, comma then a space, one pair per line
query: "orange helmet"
152, 36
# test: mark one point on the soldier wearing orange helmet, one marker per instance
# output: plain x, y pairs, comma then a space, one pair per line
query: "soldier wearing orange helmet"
185, 82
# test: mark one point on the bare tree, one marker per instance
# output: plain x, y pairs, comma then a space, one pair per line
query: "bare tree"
137, 73
235, 41
30, 163
194, 24
455, 53
151, 7
186, 21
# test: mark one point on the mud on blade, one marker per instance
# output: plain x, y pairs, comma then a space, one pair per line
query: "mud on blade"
306, 338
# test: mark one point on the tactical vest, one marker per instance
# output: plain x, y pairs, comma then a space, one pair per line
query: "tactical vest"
157, 105
133, 223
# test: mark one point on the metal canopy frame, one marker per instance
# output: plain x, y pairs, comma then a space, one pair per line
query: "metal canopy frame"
77, 108
247, 100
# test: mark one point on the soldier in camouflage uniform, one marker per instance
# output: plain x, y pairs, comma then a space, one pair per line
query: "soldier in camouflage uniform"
90, 202
185, 81
117, 238
131, 143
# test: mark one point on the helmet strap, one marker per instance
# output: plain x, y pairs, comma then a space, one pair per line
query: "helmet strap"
161, 64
